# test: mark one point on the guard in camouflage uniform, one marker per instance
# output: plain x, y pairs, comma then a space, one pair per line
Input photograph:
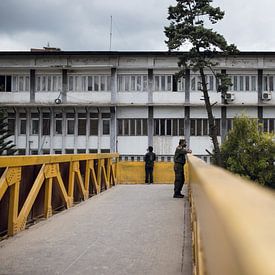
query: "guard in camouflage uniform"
179, 161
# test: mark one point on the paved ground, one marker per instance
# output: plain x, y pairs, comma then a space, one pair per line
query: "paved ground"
129, 229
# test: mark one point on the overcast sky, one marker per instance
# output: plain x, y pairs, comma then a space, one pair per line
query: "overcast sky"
84, 25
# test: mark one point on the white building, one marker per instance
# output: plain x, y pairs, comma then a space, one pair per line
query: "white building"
80, 102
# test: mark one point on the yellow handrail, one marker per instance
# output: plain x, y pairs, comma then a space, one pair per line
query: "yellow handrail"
233, 222
24, 177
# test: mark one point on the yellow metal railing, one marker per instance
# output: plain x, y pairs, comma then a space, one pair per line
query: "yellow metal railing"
233, 222
35, 185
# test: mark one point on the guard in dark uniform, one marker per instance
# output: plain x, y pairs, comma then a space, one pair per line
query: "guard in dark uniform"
179, 161
149, 159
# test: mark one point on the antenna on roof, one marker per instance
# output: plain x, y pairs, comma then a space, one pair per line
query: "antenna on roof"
111, 29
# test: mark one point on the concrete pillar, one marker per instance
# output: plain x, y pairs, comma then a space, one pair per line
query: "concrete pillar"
150, 86
28, 129
187, 124
150, 125
113, 132
113, 85
64, 86
260, 85
187, 86
52, 121
32, 86
260, 114
63, 130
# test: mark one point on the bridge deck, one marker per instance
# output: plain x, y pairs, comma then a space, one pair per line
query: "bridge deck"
129, 229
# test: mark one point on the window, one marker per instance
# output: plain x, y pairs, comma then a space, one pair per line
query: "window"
93, 124
48, 83
268, 125
81, 124
46, 124
200, 127
69, 151
106, 123
5, 83
168, 127
22, 123
58, 123
86, 83
181, 84
268, 83
70, 123
163, 82
34, 123
244, 83
11, 123
133, 83
132, 127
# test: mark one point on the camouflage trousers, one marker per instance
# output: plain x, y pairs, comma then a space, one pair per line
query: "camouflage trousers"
179, 177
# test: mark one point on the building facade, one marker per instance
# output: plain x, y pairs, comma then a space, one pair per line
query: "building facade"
87, 102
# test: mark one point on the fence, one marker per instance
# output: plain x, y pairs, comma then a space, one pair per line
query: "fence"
233, 222
35, 186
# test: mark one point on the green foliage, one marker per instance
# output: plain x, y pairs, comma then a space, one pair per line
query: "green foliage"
188, 21
6, 146
250, 152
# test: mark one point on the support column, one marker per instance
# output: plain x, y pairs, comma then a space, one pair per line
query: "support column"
32, 86
260, 114
260, 85
150, 125
187, 124
52, 121
64, 86
113, 133
150, 86
113, 119
187, 86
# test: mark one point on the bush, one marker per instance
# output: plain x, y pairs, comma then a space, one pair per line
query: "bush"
250, 152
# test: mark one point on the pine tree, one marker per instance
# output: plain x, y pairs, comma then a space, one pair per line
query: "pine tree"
188, 19
6, 146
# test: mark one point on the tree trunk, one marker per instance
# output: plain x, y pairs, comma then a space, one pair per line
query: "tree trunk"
212, 124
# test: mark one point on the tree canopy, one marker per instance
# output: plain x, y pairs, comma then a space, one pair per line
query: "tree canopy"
189, 21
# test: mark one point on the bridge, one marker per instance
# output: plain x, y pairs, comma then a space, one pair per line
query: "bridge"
91, 214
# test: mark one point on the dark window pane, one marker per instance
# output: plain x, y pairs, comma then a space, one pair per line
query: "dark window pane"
106, 127
11, 126
23, 126
119, 127
271, 125
126, 127
2, 83
175, 127
192, 127
46, 127
138, 127
133, 127
181, 127
162, 127
144, 126
156, 127
35, 127
82, 127
199, 127
265, 125
8, 83
70, 127
93, 127
58, 127
168, 127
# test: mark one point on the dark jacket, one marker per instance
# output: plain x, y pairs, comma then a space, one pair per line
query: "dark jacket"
179, 156
149, 159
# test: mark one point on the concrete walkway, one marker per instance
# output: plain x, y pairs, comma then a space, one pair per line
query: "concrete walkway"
129, 229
